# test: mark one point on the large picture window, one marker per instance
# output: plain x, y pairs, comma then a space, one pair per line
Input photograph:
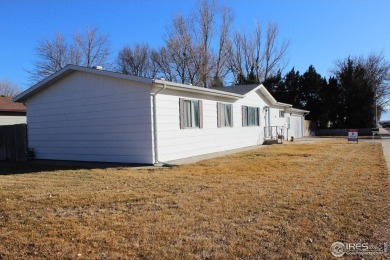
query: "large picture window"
250, 116
191, 113
224, 115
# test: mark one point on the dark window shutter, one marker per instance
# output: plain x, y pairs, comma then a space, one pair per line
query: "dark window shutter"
219, 114
231, 115
181, 112
200, 114
244, 116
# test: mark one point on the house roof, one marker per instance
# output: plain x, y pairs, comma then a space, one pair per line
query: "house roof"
7, 105
233, 92
156, 82
237, 89
297, 111
245, 89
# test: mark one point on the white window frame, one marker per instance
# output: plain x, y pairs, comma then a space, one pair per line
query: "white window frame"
191, 113
250, 116
224, 115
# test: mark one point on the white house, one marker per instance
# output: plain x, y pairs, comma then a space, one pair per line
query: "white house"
11, 113
87, 114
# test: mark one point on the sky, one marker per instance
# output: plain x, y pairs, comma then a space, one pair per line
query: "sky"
320, 32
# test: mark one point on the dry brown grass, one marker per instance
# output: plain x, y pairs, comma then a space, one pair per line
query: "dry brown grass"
278, 202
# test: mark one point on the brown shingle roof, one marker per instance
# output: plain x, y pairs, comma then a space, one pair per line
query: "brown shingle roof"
7, 105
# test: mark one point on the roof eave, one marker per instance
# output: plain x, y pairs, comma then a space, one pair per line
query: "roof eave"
194, 89
68, 70
13, 110
37, 87
297, 111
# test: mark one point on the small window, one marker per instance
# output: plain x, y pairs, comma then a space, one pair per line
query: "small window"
190, 113
250, 116
224, 115
281, 113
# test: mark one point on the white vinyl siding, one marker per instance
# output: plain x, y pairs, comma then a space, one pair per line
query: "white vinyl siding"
174, 143
88, 117
12, 120
225, 115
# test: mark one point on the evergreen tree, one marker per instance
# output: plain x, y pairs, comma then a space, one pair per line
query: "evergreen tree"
312, 85
274, 84
332, 105
357, 93
291, 92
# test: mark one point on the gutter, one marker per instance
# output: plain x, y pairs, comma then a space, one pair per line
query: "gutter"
198, 90
155, 122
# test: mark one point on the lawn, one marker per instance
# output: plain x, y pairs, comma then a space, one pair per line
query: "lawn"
276, 202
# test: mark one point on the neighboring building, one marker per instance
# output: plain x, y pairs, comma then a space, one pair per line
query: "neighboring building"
11, 113
88, 114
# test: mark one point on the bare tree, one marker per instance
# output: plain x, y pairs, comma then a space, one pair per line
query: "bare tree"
220, 67
274, 53
9, 89
204, 26
92, 47
250, 60
378, 76
160, 62
137, 61
180, 51
89, 49
245, 56
188, 55
52, 55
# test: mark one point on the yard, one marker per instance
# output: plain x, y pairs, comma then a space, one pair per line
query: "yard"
277, 202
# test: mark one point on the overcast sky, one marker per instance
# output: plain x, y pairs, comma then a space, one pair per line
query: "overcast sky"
319, 31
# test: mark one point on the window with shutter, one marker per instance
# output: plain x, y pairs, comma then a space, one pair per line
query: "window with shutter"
191, 113
250, 116
224, 115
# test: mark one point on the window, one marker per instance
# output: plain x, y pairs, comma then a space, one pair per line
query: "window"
224, 115
281, 113
250, 116
191, 113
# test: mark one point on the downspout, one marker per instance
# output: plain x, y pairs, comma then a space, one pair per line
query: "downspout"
155, 123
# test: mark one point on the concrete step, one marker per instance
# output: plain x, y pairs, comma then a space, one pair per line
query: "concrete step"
269, 141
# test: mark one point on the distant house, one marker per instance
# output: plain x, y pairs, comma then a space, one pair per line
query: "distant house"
11, 113
87, 114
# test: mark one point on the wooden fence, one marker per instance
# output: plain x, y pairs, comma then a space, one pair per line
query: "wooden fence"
13, 142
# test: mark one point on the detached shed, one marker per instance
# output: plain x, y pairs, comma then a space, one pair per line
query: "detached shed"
87, 114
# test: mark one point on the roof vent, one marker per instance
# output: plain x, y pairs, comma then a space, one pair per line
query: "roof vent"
97, 67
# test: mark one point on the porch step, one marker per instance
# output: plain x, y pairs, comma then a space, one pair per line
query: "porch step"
269, 141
